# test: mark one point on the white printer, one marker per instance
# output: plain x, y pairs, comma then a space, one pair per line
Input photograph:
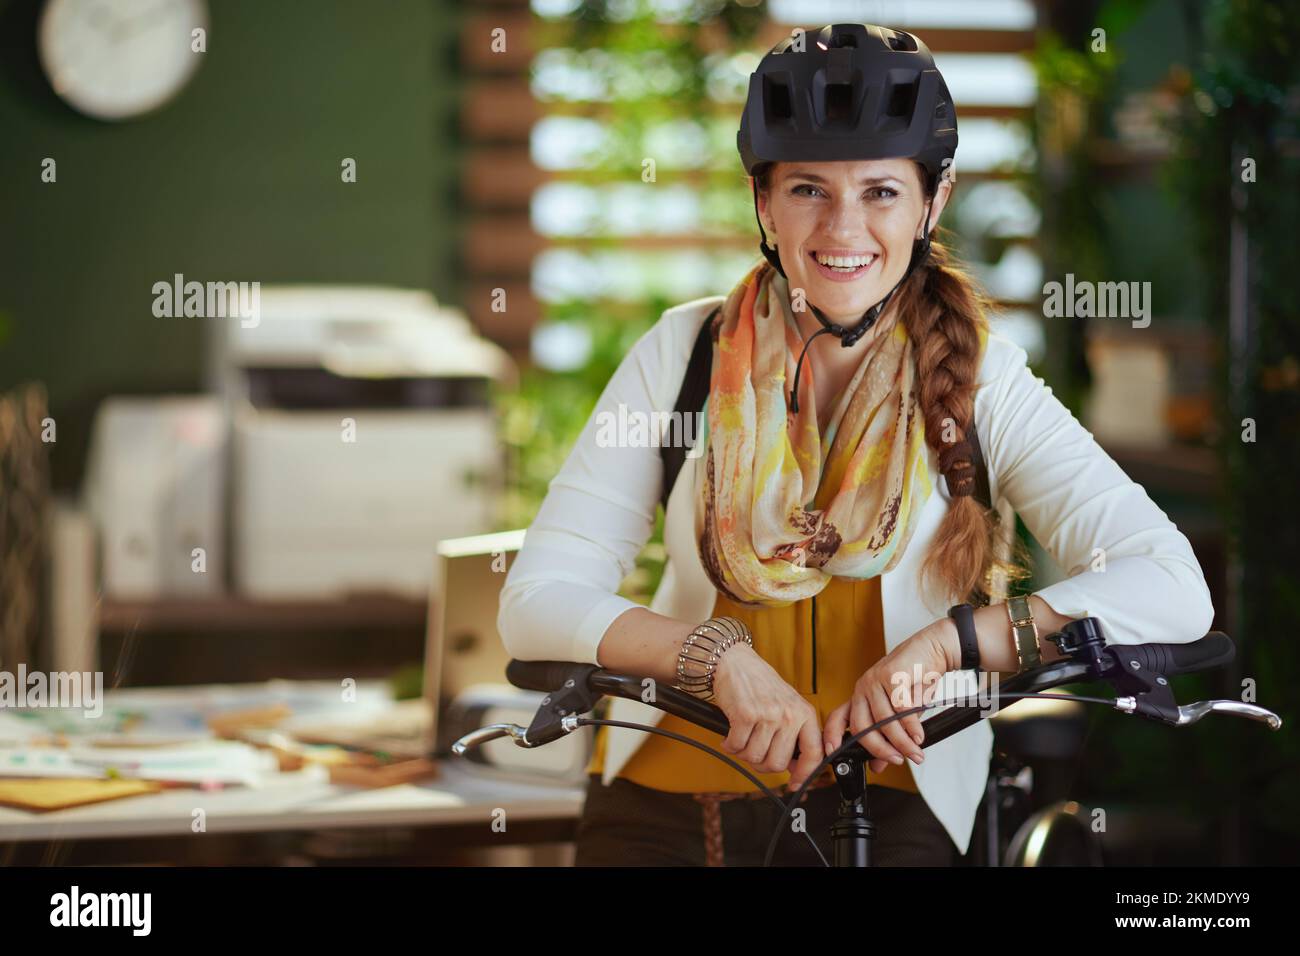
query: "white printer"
362, 433
154, 487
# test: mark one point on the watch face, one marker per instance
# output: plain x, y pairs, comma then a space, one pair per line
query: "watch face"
112, 60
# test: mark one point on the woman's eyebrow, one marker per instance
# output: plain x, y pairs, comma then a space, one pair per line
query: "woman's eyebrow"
865, 181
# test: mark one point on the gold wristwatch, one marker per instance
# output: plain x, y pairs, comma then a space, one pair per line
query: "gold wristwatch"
1025, 631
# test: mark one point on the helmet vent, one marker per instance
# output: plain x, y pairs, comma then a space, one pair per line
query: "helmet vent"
902, 98
777, 98
844, 40
839, 103
902, 42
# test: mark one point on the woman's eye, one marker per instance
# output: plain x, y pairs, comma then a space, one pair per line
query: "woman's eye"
879, 192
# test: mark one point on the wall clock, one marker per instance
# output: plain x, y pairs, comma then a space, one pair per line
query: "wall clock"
115, 60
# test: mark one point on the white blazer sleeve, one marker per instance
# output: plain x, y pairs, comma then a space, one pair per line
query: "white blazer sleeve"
560, 595
1081, 507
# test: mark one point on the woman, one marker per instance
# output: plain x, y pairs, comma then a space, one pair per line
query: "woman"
811, 549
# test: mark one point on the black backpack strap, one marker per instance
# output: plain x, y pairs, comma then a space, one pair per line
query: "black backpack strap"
982, 492
691, 398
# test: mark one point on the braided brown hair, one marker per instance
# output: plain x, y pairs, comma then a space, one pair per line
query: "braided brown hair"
944, 311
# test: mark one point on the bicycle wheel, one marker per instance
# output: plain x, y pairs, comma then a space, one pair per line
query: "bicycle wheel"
1057, 835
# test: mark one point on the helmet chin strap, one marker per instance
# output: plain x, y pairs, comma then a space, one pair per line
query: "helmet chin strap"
848, 336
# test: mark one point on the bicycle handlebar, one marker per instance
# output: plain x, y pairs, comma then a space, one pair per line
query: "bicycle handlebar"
1138, 673
1081, 639
1213, 650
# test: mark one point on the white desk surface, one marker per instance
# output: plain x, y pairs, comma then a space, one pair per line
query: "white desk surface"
463, 794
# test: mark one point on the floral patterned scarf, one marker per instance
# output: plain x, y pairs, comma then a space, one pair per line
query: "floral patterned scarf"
761, 540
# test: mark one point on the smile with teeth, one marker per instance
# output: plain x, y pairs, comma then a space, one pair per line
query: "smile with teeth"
845, 264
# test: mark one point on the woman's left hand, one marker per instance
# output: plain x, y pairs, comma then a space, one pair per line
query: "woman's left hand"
904, 678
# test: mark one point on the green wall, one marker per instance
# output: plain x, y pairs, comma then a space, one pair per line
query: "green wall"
238, 179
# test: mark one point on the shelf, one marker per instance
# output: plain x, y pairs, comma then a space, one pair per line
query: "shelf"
1182, 469
230, 613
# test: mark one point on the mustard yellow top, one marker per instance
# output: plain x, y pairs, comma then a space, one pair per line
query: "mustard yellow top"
850, 638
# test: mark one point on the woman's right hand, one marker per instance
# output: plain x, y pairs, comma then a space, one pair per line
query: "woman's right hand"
768, 717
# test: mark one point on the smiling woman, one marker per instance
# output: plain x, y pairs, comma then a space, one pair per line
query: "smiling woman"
813, 536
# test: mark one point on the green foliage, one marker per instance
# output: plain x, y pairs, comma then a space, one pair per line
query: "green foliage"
1061, 68
1236, 106
1073, 85
1238, 109
407, 682
656, 73
1243, 107
1116, 16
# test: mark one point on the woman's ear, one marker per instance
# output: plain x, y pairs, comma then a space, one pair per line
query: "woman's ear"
768, 226
936, 206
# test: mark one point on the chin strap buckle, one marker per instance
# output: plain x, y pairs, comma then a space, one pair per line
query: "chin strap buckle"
849, 337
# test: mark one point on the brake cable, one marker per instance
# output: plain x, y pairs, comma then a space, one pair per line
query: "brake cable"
797, 796
959, 701
735, 765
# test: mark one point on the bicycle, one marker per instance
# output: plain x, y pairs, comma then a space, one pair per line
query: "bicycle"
1138, 673
1014, 833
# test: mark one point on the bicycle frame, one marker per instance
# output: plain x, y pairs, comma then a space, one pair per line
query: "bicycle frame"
853, 831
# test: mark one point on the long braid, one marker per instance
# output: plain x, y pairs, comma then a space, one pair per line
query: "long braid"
944, 313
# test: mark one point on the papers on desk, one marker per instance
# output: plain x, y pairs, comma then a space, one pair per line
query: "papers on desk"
223, 762
165, 735
148, 716
41, 796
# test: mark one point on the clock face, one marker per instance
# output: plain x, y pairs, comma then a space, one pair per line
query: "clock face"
112, 59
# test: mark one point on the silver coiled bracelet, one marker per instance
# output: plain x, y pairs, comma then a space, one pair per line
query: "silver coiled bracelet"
698, 659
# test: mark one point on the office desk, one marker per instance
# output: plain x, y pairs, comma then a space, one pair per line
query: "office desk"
301, 817
453, 813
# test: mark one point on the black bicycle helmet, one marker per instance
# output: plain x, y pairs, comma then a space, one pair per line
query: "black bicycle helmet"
852, 91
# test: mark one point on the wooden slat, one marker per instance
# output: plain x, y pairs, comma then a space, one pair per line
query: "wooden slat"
501, 245
511, 327
504, 180
501, 177
500, 109
937, 39
503, 109
524, 35
522, 39
607, 111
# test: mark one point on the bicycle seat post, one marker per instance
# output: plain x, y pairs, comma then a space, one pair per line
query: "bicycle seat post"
853, 831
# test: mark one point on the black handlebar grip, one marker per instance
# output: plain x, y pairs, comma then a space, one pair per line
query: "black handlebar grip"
1213, 650
545, 676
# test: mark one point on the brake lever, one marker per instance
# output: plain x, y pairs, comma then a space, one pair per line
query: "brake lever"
482, 735
1191, 713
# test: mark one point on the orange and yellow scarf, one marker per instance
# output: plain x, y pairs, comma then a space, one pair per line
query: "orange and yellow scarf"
761, 540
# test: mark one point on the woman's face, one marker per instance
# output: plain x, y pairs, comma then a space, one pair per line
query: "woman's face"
865, 213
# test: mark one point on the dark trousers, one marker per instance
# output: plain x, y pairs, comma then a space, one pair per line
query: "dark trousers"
626, 824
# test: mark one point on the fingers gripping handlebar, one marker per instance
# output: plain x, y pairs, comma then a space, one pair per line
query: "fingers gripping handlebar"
1139, 671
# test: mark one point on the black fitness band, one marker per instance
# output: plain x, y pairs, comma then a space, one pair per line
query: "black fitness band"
964, 617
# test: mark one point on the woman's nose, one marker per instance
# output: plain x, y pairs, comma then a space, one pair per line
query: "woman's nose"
846, 219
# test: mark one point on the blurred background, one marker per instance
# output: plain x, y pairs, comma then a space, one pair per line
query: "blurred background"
447, 213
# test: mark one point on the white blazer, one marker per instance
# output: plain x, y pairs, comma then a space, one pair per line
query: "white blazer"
560, 594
